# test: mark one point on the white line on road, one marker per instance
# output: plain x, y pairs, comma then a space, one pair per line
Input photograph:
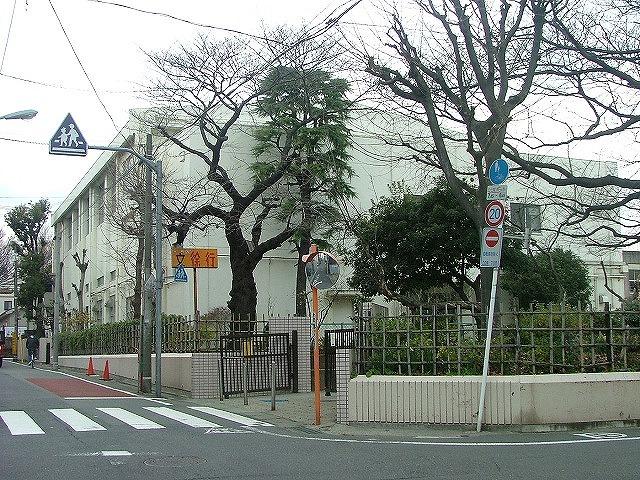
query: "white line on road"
76, 420
182, 417
234, 417
446, 444
131, 419
19, 423
116, 453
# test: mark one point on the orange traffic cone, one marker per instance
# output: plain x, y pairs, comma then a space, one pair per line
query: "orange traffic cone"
105, 372
90, 370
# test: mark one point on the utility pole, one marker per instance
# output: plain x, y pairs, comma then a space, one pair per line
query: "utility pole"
146, 333
55, 340
15, 307
159, 278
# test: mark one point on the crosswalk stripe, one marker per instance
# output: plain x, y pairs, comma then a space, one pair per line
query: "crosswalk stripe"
182, 417
234, 417
131, 419
76, 420
19, 423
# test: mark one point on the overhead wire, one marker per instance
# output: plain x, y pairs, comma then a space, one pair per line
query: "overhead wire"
183, 20
6, 44
82, 66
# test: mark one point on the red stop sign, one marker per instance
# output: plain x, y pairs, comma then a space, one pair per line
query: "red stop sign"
491, 238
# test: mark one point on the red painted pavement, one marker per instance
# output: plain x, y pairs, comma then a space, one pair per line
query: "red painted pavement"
73, 387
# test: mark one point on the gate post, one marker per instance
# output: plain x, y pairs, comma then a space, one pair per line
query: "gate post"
294, 361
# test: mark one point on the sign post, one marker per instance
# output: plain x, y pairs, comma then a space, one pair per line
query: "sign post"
490, 254
67, 140
322, 271
194, 258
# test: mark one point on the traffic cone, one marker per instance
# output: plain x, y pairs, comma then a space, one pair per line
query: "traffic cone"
90, 370
105, 372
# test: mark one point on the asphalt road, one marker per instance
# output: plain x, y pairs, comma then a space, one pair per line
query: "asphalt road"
44, 435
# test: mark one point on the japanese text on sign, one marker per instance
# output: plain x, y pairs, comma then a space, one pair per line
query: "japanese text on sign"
194, 257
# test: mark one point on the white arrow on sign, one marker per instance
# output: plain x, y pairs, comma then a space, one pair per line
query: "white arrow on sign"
494, 213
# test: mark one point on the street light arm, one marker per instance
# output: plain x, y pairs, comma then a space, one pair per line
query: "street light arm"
20, 115
145, 160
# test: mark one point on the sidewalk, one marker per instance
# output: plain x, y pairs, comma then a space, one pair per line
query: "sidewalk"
292, 409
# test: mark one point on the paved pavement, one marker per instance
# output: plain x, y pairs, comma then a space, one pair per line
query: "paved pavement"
46, 432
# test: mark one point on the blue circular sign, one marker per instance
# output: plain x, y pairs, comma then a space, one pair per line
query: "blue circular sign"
498, 171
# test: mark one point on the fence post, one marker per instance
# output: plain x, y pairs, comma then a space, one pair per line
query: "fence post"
273, 386
245, 380
609, 335
551, 356
294, 361
220, 390
327, 353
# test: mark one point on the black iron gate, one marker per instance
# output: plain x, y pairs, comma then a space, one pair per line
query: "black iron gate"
259, 351
334, 339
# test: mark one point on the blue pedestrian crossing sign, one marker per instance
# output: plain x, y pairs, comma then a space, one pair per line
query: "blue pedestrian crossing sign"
68, 140
498, 171
181, 274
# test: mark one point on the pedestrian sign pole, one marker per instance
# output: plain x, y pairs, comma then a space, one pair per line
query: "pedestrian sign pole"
67, 140
490, 253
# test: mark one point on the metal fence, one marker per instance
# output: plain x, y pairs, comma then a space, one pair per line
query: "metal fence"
179, 335
546, 340
249, 358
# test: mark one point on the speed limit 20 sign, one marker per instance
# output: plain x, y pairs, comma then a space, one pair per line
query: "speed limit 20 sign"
494, 213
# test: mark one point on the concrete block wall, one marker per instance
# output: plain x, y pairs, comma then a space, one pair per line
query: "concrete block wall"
343, 375
205, 371
510, 400
303, 326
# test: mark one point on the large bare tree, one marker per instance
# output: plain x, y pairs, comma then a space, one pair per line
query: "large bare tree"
205, 88
485, 79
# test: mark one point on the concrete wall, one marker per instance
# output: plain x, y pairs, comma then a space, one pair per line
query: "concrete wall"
510, 400
176, 367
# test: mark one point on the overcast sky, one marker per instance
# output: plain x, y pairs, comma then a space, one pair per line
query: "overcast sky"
109, 42
39, 70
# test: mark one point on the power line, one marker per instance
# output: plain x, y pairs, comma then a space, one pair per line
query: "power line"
82, 66
62, 87
6, 44
183, 20
22, 141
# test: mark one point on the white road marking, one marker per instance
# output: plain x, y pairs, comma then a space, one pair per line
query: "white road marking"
100, 398
156, 401
445, 444
116, 453
225, 430
76, 420
19, 423
131, 419
234, 417
182, 417
601, 435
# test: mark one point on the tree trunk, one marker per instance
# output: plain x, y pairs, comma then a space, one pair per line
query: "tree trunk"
304, 244
244, 293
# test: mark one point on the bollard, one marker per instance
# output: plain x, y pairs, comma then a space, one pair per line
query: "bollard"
220, 380
273, 386
244, 381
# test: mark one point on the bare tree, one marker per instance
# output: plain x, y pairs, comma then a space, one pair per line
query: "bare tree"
204, 88
6, 261
82, 266
482, 79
